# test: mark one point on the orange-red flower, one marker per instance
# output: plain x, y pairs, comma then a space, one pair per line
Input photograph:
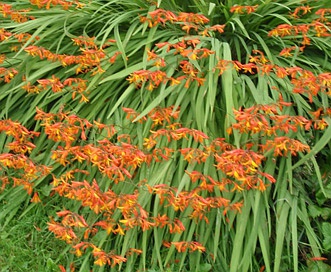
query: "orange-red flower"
243, 9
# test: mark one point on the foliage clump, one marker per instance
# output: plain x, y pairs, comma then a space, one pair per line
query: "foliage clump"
169, 137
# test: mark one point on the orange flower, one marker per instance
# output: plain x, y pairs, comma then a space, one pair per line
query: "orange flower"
134, 250
283, 145
281, 30
106, 225
318, 259
222, 66
248, 68
61, 232
286, 52
161, 220
101, 258
189, 26
322, 12
180, 246
194, 154
243, 9
176, 227
301, 10
35, 198
196, 246
321, 29
219, 28
117, 259
54, 82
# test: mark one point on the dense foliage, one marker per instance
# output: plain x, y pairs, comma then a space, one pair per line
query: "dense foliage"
162, 136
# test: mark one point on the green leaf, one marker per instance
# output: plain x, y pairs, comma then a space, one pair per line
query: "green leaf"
318, 267
322, 196
326, 230
205, 267
314, 211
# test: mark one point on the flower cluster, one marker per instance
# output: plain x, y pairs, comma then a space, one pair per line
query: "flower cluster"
318, 28
267, 120
186, 48
303, 81
243, 9
87, 60
74, 85
119, 161
188, 21
15, 166
7, 75
64, 127
182, 246
90, 58
21, 135
19, 16
22, 171
62, 3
